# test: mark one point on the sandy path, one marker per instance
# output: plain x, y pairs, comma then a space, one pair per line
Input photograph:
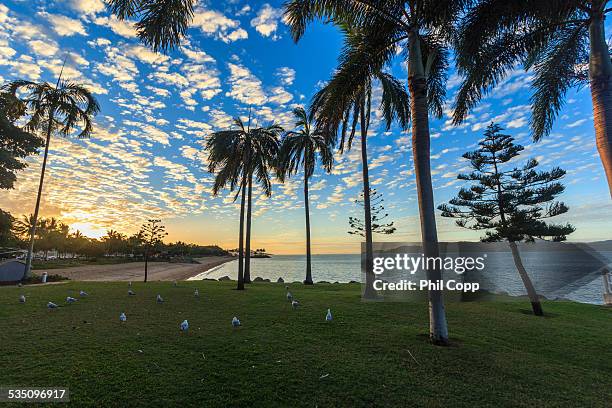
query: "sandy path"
158, 271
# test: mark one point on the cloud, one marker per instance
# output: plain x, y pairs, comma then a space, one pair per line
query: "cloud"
266, 22
214, 24
123, 28
244, 86
286, 75
88, 7
64, 26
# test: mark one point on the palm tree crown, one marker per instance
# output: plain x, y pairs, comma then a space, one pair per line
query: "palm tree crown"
550, 37
299, 148
162, 24
61, 108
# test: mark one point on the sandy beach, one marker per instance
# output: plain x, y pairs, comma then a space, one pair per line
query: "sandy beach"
158, 271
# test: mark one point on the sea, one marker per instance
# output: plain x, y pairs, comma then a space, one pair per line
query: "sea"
502, 278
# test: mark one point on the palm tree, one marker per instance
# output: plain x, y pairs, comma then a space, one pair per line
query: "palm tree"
162, 24
422, 30
262, 151
236, 155
59, 109
299, 149
226, 155
336, 114
558, 39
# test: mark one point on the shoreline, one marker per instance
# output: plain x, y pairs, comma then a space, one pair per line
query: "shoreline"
134, 271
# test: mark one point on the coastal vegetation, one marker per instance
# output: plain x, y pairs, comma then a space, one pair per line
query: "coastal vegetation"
60, 110
482, 35
509, 202
57, 247
300, 149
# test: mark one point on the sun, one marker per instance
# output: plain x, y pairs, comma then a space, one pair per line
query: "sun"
88, 229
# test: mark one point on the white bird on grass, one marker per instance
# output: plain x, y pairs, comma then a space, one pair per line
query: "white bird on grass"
122, 317
131, 293
70, 299
160, 299
51, 305
235, 322
175, 283
83, 293
130, 284
22, 299
329, 316
185, 325
196, 293
295, 304
289, 296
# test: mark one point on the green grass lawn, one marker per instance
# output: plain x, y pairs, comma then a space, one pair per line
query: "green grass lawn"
502, 356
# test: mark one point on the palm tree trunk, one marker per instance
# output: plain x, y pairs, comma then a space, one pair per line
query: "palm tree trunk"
438, 330
28, 267
369, 291
600, 72
146, 259
308, 280
247, 250
241, 240
531, 292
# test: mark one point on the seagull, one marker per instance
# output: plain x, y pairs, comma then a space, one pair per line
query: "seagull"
131, 293
235, 322
70, 299
196, 293
130, 284
83, 293
185, 325
51, 305
329, 317
175, 284
295, 304
289, 296
122, 317
160, 299
22, 299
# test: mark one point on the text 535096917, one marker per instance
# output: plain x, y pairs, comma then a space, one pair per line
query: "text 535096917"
34, 394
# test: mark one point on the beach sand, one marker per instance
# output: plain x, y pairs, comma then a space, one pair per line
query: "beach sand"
134, 271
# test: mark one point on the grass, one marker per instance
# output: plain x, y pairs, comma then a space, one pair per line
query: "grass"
372, 354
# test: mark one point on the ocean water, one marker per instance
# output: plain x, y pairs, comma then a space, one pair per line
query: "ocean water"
549, 273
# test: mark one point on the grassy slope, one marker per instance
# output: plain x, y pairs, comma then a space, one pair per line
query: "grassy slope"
502, 357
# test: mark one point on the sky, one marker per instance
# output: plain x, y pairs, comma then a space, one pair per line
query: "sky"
145, 158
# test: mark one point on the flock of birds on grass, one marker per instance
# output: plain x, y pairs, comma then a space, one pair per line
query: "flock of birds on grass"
184, 326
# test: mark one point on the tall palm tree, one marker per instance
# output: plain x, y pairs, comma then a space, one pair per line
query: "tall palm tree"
338, 114
555, 39
263, 148
61, 109
161, 24
422, 30
226, 155
299, 149
237, 155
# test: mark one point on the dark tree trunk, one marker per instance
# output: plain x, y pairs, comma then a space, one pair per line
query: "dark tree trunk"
308, 280
247, 250
369, 291
438, 330
600, 72
146, 259
241, 240
531, 292
28, 267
